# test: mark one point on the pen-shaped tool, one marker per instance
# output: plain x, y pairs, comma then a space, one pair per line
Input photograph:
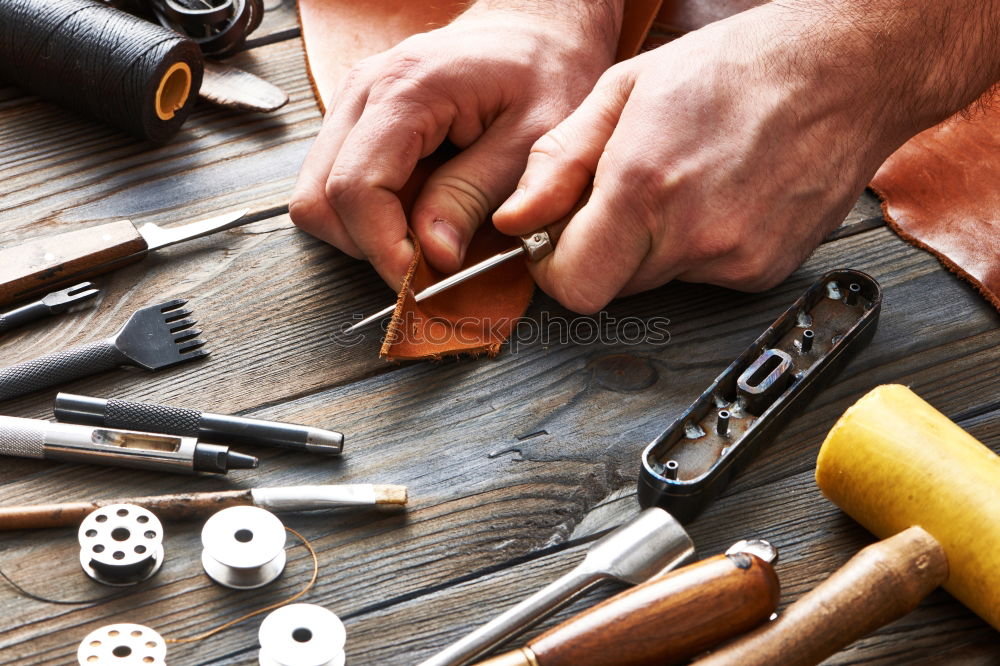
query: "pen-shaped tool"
53, 261
534, 246
192, 423
191, 506
54, 303
65, 442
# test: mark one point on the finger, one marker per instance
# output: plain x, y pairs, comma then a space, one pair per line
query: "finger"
375, 160
309, 207
600, 250
459, 195
563, 162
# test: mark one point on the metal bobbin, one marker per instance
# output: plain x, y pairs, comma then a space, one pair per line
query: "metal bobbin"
244, 547
302, 635
121, 544
122, 645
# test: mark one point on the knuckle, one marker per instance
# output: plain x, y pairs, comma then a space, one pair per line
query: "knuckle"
472, 201
341, 187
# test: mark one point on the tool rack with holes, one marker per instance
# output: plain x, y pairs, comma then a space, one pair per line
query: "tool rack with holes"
515, 466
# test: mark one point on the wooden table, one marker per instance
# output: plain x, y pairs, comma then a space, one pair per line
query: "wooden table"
514, 464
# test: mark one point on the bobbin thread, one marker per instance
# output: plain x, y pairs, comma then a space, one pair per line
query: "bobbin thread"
302, 635
102, 62
244, 547
120, 544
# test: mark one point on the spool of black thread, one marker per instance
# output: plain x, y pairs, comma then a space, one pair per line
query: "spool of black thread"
91, 58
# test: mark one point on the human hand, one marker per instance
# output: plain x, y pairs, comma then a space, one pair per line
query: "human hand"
491, 82
723, 157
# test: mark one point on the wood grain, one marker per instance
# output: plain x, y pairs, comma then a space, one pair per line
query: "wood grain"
666, 620
46, 264
883, 582
513, 464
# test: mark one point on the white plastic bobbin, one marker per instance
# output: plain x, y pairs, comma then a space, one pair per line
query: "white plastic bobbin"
122, 645
244, 547
302, 635
121, 544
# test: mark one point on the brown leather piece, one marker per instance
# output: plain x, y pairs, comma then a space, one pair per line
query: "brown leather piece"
939, 193
687, 15
477, 316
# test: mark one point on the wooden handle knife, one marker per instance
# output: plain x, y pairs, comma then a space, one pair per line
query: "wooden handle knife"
45, 263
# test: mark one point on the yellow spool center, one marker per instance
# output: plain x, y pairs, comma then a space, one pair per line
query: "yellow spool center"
173, 91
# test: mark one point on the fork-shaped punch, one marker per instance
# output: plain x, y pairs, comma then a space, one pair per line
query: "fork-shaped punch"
153, 338
55, 303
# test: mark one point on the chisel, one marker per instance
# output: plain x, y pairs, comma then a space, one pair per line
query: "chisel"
42, 264
535, 246
665, 620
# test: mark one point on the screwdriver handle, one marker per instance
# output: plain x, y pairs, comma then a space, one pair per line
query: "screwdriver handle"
540, 244
41, 264
878, 585
662, 621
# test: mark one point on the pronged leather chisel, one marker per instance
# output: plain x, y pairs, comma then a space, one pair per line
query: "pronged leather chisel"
43, 264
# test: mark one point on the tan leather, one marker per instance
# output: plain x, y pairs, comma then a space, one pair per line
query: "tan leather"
477, 316
939, 191
688, 15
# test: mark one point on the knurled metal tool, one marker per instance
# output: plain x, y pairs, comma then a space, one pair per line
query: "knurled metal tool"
155, 337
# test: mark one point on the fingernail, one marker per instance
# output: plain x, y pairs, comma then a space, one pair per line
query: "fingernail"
513, 202
449, 236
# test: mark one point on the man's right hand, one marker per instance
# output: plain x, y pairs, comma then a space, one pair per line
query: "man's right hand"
492, 82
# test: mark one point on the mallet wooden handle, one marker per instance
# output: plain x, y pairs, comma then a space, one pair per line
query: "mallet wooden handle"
878, 585
662, 621
40, 265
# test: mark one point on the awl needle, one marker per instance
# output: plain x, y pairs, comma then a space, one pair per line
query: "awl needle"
536, 246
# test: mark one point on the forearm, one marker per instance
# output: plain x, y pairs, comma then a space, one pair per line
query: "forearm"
598, 21
909, 64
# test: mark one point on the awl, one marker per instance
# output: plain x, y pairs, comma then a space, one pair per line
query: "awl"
534, 245
221, 428
54, 261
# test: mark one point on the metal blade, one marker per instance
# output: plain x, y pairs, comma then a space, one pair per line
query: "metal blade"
447, 283
157, 237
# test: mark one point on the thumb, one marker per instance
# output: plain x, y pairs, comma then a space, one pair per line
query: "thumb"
562, 163
460, 194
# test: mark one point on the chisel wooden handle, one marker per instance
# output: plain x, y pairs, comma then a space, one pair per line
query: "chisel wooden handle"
53, 261
878, 585
662, 621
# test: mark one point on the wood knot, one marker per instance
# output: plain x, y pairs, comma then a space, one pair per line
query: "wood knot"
623, 372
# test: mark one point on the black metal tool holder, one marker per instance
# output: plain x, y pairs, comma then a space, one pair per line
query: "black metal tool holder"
690, 463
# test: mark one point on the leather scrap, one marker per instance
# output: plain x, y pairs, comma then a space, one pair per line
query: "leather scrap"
939, 193
477, 316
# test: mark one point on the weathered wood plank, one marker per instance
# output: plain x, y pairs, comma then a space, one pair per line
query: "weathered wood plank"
427, 576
